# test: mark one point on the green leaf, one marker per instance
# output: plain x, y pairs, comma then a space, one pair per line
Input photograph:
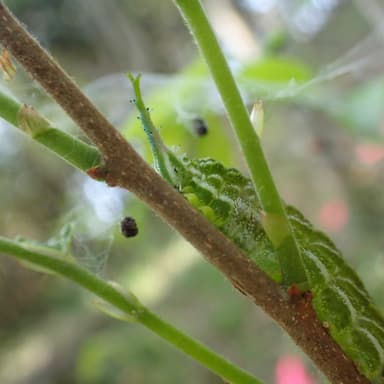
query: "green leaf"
362, 109
276, 70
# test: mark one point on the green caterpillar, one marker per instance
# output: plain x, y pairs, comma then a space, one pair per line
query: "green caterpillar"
229, 201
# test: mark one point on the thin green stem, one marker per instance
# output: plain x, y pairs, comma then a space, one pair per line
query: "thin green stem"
276, 224
74, 151
129, 304
199, 352
9, 109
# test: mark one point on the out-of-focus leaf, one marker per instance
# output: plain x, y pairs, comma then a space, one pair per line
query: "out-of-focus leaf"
362, 109
276, 70
192, 95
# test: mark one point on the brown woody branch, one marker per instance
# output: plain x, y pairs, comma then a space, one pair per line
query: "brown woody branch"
125, 168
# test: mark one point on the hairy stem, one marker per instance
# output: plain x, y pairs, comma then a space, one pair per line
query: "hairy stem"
276, 222
126, 169
128, 304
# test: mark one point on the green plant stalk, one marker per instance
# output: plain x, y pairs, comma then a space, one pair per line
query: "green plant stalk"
74, 151
217, 364
276, 225
9, 109
132, 307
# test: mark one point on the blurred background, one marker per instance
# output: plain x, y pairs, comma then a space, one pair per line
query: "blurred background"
318, 67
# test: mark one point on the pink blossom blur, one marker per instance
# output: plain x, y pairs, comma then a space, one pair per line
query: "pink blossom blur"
369, 154
334, 215
291, 370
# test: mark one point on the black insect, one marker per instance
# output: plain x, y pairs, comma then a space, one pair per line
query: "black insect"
199, 126
129, 227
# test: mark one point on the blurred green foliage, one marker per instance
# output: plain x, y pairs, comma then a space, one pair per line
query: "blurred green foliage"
316, 121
